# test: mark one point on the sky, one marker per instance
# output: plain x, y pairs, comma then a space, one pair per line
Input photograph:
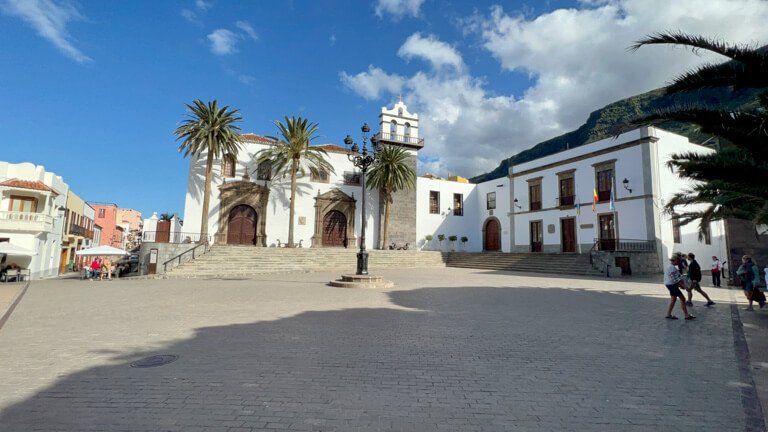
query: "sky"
93, 90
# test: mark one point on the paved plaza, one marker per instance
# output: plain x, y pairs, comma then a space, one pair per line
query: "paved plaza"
445, 350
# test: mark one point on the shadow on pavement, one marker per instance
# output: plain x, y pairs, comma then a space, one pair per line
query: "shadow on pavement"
471, 359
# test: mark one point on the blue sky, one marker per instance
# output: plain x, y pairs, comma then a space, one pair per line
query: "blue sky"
93, 90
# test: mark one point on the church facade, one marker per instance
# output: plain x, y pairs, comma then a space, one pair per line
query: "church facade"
605, 195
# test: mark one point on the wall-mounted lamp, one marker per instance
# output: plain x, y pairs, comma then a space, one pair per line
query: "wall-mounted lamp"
517, 205
499, 185
625, 182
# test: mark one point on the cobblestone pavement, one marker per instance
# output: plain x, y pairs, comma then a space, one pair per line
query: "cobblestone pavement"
446, 349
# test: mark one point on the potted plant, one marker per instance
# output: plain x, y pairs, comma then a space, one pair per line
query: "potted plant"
464, 240
428, 240
453, 239
440, 238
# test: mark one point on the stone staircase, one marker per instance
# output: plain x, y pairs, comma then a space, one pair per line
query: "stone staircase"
551, 263
226, 261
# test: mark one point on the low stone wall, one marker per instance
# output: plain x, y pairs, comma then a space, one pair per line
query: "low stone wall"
165, 251
641, 263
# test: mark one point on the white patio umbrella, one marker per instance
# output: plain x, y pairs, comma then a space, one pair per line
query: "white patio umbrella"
102, 251
9, 248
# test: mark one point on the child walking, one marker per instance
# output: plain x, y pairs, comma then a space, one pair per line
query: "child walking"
672, 280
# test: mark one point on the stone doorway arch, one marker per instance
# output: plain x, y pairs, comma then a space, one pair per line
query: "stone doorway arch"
334, 229
334, 201
241, 227
491, 235
243, 193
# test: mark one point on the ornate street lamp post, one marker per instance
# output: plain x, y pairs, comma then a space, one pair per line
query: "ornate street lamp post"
362, 160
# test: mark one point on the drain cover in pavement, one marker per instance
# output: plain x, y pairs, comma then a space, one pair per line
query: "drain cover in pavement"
154, 361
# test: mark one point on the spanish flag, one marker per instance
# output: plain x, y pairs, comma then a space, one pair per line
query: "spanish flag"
594, 201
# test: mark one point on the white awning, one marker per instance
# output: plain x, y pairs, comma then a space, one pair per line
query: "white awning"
9, 248
102, 251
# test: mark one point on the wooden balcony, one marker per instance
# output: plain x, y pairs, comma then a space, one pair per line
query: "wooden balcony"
25, 222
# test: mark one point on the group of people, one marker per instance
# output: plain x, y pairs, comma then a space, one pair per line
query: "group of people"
5, 267
101, 268
685, 274
682, 273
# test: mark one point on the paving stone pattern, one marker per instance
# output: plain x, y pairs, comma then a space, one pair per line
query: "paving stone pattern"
445, 350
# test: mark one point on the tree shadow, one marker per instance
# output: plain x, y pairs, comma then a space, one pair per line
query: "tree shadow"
442, 359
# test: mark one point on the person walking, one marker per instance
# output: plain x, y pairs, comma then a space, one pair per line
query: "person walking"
694, 279
749, 276
673, 280
716, 269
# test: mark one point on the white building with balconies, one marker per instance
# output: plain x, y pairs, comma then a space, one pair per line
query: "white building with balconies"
30, 202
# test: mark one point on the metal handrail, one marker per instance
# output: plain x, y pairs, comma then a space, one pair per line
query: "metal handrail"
205, 245
594, 256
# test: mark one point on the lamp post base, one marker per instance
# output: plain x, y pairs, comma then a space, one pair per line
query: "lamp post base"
362, 262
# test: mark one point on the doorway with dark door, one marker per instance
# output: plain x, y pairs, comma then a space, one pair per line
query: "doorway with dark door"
335, 229
537, 236
241, 227
492, 239
568, 235
607, 232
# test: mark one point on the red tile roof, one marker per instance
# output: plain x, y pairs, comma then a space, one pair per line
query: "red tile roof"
252, 137
333, 148
28, 184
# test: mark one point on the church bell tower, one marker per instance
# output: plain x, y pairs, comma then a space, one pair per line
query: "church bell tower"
398, 127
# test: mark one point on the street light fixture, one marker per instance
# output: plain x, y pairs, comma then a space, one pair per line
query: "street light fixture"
362, 160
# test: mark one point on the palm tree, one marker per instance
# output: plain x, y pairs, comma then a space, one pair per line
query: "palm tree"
293, 154
211, 130
391, 173
727, 181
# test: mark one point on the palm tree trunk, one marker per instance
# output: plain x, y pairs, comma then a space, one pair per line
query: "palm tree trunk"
386, 220
206, 198
294, 168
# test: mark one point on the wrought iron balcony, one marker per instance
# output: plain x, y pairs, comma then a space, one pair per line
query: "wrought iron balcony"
408, 140
25, 221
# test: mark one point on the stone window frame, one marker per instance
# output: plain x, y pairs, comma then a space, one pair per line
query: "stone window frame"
264, 171
533, 182
458, 204
228, 166
352, 178
322, 176
434, 209
561, 176
601, 167
490, 200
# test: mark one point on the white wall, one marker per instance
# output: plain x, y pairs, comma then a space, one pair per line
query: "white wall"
632, 222
279, 197
446, 222
47, 244
668, 183
502, 211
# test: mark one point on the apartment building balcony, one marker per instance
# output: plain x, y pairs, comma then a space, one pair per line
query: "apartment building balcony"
403, 140
25, 221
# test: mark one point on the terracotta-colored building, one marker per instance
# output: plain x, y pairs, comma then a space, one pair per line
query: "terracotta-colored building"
106, 218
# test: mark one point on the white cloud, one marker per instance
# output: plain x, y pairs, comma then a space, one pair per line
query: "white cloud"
189, 16
577, 61
50, 19
247, 28
202, 5
373, 83
436, 52
398, 8
223, 42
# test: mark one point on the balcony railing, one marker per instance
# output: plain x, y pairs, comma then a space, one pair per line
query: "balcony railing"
26, 221
625, 245
172, 237
405, 139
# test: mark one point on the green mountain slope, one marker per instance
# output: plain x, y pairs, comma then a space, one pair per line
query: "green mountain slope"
603, 123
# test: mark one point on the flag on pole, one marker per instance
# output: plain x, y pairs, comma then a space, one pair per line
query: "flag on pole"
594, 201
612, 207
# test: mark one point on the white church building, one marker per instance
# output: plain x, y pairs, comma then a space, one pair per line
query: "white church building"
547, 205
